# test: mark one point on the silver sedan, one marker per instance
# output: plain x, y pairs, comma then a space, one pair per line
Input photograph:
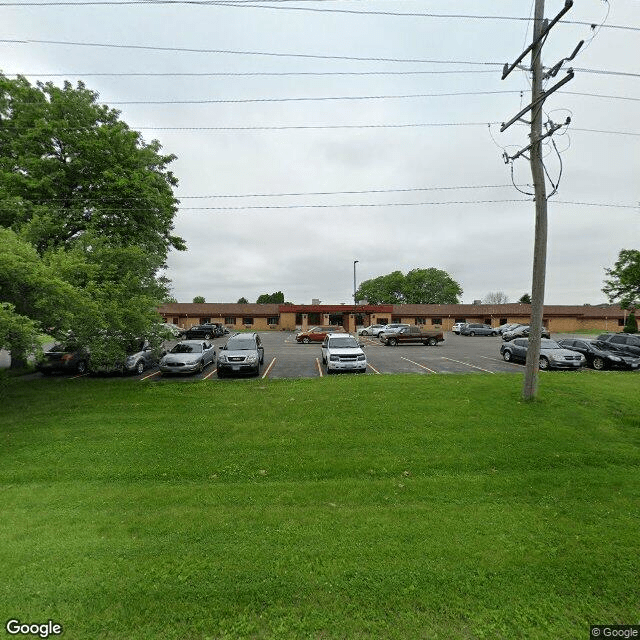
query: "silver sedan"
188, 356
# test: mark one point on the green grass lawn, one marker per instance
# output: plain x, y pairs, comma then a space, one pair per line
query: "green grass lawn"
347, 507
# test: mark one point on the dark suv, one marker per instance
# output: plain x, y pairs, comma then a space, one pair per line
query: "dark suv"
243, 353
207, 331
622, 342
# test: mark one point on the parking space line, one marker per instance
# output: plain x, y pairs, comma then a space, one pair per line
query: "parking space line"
502, 361
80, 375
319, 367
210, 374
419, 365
372, 367
468, 364
155, 373
266, 373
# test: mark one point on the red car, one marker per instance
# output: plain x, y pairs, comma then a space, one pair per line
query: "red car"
318, 334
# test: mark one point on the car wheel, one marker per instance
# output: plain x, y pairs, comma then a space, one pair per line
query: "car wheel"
494, 334
432, 342
506, 356
599, 363
305, 340
207, 336
364, 333
140, 367
544, 363
472, 333
201, 366
81, 367
392, 342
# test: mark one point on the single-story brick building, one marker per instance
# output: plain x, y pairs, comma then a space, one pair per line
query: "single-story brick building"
558, 318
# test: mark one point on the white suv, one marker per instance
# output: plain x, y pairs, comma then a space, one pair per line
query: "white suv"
342, 352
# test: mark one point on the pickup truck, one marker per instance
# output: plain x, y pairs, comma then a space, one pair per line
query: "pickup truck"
412, 334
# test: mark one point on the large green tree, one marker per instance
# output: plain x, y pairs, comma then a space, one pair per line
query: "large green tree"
273, 298
418, 286
623, 282
91, 207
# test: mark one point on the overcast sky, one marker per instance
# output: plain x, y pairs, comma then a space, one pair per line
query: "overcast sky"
236, 157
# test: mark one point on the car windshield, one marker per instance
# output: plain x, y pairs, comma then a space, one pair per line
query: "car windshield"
545, 343
187, 348
343, 343
241, 344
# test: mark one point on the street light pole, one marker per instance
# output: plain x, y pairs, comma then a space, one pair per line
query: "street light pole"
354, 281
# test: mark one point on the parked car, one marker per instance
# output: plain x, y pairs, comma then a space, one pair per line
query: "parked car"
391, 328
342, 352
207, 331
598, 357
523, 332
243, 353
457, 326
412, 334
64, 358
552, 355
371, 330
140, 356
623, 342
188, 356
510, 326
475, 329
318, 334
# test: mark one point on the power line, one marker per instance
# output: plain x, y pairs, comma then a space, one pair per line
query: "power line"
329, 98
246, 73
410, 125
402, 204
246, 53
312, 98
224, 3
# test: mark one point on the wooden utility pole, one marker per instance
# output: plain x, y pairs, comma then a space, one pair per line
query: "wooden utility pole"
541, 30
530, 386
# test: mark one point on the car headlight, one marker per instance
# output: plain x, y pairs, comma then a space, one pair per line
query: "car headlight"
130, 361
222, 358
361, 357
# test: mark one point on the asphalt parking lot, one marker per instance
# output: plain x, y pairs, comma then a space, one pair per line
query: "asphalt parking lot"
285, 358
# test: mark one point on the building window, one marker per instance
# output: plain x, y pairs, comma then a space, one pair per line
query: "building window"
382, 321
503, 321
621, 322
273, 320
463, 320
230, 320
205, 320
487, 321
396, 320
436, 320
421, 321
247, 321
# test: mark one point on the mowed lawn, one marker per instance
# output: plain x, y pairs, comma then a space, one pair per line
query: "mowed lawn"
347, 507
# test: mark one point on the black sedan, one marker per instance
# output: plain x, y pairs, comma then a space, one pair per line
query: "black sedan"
598, 356
207, 331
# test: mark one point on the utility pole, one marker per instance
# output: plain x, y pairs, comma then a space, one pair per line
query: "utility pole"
541, 29
530, 387
354, 281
